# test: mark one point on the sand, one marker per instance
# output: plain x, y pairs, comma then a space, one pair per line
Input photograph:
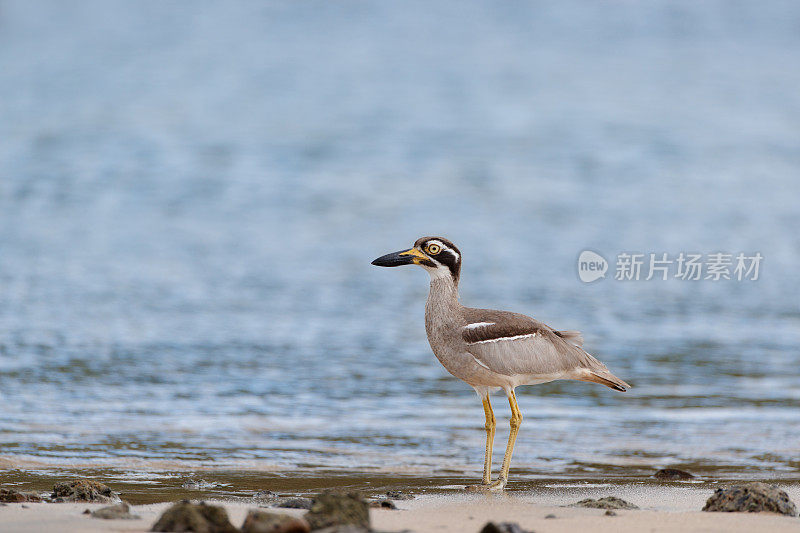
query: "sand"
664, 508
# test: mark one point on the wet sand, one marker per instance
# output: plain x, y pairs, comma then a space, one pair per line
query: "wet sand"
663, 508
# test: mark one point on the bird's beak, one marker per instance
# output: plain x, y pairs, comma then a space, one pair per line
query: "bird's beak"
406, 257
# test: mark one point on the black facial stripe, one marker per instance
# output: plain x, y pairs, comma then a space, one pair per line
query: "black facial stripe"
449, 259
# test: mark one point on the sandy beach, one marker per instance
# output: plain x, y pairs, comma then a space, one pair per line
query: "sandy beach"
663, 509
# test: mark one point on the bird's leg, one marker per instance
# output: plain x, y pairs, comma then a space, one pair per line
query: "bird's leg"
516, 420
491, 424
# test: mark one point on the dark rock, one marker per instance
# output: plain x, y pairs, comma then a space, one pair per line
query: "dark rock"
265, 495
751, 498
263, 522
399, 495
551, 515
609, 512
295, 503
503, 527
83, 490
121, 511
609, 502
87, 511
200, 518
15, 496
338, 508
383, 504
672, 474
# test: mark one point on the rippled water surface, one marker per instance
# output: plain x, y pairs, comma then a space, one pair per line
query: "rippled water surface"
191, 195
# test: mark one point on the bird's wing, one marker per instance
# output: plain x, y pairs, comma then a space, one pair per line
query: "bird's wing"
514, 344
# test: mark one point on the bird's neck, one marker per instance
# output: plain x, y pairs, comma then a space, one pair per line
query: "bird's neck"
444, 291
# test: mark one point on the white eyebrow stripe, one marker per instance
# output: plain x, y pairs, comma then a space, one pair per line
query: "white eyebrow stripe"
478, 325
515, 337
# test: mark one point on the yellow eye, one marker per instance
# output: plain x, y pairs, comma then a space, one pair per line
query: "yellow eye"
434, 249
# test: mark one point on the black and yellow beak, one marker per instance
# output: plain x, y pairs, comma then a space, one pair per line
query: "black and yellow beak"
405, 257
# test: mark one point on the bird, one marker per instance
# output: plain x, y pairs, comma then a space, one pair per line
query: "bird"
493, 350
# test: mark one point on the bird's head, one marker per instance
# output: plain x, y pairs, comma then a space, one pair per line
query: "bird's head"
437, 255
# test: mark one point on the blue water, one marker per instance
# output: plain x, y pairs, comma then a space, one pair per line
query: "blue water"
191, 195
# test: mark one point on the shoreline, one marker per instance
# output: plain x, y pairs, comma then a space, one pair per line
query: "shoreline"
663, 508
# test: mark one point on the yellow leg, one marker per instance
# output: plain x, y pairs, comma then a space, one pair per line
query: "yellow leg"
516, 420
491, 424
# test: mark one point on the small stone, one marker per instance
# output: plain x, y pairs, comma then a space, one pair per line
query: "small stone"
295, 503
24, 506
265, 495
87, 511
399, 495
337, 508
751, 498
609, 512
503, 527
83, 490
198, 484
121, 511
672, 474
550, 516
345, 528
15, 496
263, 522
383, 504
200, 518
609, 502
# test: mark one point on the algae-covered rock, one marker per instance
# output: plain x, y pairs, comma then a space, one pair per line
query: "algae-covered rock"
16, 496
83, 490
338, 508
197, 517
609, 502
751, 498
121, 511
503, 527
264, 522
672, 474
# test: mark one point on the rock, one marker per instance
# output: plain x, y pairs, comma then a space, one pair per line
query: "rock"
399, 495
609, 502
346, 528
295, 503
121, 511
338, 508
15, 496
197, 517
672, 474
751, 498
609, 512
503, 527
198, 484
265, 495
263, 522
83, 490
551, 515
383, 504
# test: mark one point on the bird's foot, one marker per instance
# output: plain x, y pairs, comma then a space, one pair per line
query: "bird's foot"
496, 486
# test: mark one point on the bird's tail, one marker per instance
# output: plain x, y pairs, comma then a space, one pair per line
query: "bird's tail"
603, 377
